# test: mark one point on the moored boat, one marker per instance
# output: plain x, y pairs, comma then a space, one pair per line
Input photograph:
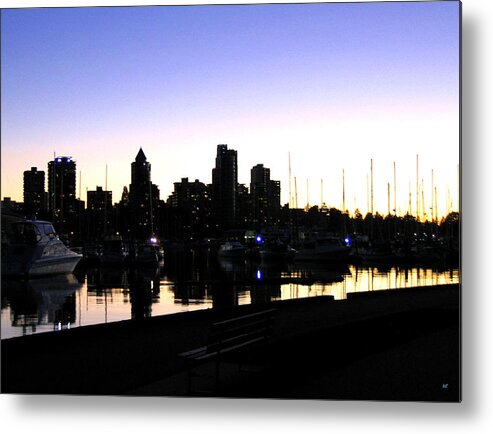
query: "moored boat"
36, 250
277, 251
232, 249
321, 248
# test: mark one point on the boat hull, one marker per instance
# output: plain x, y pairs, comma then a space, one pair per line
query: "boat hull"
55, 265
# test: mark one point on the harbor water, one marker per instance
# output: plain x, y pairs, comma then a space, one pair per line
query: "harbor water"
187, 281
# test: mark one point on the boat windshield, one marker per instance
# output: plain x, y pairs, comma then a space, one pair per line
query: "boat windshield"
26, 233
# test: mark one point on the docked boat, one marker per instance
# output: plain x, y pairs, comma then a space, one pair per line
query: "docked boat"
35, 249
277, 251
323, 249
232, 249
113, 251
147, 254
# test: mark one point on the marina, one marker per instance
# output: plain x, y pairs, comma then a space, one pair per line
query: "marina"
188, 281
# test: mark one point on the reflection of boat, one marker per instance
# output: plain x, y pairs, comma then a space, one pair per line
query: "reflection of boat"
232, 249
36, 250
277, 251
324, 249
41, 302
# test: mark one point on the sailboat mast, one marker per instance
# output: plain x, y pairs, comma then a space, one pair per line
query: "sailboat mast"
295, 193
343, 192
371, 169
395, 191
417, 188
290, 202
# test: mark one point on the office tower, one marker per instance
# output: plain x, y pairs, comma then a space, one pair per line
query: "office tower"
265, 195
99, 213
34, 192
192, 203
143, 198
62, 203
224, 184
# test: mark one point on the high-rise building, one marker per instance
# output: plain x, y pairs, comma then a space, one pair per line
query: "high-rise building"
34, 192
99, 213
224, 184
191, 201
62, 202
143, 198
265, 195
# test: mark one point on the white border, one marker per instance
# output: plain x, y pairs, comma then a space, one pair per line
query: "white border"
49, 414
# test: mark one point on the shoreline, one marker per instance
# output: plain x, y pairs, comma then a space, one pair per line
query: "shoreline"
129, 356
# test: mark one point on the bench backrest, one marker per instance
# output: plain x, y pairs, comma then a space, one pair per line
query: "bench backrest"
240, 331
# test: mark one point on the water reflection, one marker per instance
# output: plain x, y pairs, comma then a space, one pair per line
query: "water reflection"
42, 304
189, 280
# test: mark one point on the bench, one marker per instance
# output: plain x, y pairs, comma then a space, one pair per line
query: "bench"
228, 337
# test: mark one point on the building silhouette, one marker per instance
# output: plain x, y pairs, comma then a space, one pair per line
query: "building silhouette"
62, 203
265, 196
99, 213
34, 192
143, 199
191, 201
224, 185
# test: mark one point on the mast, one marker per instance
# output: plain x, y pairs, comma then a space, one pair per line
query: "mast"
423, 209
321, 192
432, 195
295, 193
417, 188
290, 202
105, 199
80, 181
343, 192
307, 197
395, 191
371, 169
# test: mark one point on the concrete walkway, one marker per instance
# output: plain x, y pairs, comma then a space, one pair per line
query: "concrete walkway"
401, 344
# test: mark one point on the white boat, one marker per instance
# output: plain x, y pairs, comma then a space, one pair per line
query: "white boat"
232, 249
35, 250
323, 249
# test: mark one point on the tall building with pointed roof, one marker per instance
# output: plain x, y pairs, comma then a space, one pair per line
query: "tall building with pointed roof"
143, 199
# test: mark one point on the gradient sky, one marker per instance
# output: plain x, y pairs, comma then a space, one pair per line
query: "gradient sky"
333, 84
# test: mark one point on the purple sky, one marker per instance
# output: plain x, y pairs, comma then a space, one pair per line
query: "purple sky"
333, 84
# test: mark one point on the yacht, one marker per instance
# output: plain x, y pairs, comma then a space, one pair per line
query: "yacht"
36, 250
324, 248
232, 249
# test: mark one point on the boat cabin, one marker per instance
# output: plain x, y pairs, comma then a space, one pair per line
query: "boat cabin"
32, 232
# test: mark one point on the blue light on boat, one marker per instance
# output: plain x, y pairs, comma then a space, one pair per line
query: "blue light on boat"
259, 239
259, 275
347, 240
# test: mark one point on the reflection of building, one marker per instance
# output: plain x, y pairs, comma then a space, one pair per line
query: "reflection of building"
265, 195
224, 182
143, 198
61, 194
99, 213
34, 192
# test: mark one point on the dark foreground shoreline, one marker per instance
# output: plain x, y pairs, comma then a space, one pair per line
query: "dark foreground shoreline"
385, 345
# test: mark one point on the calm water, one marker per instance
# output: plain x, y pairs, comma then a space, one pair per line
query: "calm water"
186, 282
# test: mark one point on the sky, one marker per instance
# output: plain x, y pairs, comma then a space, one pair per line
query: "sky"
331, 85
